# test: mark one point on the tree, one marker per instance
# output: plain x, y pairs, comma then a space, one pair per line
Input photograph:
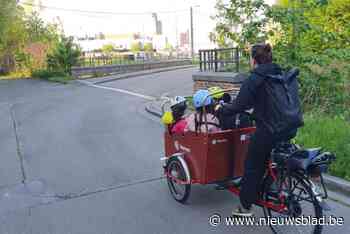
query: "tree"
108, 48
148, 47
169, 47
38, 30
17, 32
135, 47
315, 37
31, 6
8, 12
309, 27
310, 34
240, 22
12, 33
64, 56
333, 19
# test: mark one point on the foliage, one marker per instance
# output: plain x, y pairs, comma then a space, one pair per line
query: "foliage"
325, 80
331, 133
313, 35
8, 12
54, 76
12, 33
60, 79
18, 31
148, 47
240, 22
135, 47
38, 30
45, 74
108, 48
169, 47
64, 56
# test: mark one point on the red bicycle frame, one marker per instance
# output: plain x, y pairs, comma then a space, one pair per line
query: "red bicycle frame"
280, 208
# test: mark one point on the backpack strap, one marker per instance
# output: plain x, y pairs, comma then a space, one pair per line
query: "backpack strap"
196, 122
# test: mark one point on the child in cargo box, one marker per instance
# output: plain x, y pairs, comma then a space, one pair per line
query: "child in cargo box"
195, 121
178, 108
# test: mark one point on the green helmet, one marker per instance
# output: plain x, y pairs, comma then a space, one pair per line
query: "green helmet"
216, 92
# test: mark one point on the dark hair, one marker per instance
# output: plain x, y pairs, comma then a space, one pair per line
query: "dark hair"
262, 53
226, 98
178, 110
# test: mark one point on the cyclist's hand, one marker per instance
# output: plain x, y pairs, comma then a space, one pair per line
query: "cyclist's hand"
218, 108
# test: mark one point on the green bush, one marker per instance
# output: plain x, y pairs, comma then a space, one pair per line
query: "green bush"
64, 56
46, 74
60, 79
325, 80
332, 134
54, 76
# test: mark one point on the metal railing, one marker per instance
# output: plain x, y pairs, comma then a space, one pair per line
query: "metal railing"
96, 71
219, 59
103, 60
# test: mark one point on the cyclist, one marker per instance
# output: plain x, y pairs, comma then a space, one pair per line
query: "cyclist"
253, 96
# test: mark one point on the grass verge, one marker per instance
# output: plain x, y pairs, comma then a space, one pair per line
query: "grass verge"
53, 76
332, 133
60, 79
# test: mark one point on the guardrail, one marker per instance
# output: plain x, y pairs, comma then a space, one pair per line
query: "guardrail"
123, 59
117, 69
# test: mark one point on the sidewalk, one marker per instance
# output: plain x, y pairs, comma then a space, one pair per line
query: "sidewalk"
100, 80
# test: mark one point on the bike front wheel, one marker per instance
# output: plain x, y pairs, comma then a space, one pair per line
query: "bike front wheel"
176, 176
303, 213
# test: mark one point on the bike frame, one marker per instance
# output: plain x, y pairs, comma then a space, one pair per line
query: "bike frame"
280, 208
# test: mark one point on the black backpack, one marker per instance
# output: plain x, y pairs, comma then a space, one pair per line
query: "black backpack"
282, 98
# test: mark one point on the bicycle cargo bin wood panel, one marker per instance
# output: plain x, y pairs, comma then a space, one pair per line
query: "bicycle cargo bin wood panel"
207, 162
211, 157
240, 141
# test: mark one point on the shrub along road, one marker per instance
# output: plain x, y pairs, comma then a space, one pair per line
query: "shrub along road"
90, 161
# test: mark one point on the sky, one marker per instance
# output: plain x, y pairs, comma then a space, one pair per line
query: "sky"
174, 14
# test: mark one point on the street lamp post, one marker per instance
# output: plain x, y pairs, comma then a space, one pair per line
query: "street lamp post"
192, 44
192, 39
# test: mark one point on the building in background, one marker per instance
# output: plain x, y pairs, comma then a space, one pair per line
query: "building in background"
184, 39
122, 41
127, 42
185, 48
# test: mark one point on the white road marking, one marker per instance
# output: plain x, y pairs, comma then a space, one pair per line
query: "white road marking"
118, 90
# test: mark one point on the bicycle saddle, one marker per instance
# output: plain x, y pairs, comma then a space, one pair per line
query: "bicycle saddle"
302, 159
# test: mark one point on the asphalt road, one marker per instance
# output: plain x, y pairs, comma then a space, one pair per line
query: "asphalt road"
90, 161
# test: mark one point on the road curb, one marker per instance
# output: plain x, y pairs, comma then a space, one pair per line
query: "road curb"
153, 111
141, 73
332, 183
337, 184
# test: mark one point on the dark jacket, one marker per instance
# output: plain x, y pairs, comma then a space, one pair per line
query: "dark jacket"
252, 95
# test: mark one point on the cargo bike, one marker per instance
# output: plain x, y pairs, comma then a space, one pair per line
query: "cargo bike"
291, 187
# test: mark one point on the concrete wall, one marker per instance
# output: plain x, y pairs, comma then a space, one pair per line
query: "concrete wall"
225, 80
116, 69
